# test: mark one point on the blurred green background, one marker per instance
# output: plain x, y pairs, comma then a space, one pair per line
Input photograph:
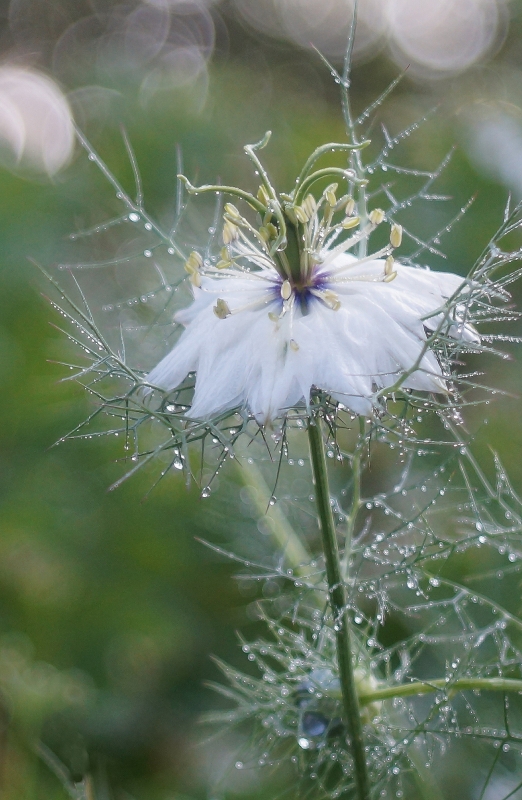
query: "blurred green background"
109, 606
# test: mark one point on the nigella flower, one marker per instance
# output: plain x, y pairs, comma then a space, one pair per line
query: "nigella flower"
291, 307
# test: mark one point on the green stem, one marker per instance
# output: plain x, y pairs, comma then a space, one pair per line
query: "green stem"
355, 505
337, 597
427, 687
284, 536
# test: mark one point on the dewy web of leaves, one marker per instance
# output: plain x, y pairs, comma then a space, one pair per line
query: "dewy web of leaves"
402, 546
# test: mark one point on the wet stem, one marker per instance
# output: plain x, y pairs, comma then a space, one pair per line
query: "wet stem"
337, 597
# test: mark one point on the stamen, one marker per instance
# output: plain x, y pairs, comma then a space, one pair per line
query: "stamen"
286, 290
193, 263
329, 194
230, 232
350, 222
221, 309
333, 277
349, 207
376, 216
232, 212
329, 298
263, 196
396, 235
309, 205
294, 345
388, 265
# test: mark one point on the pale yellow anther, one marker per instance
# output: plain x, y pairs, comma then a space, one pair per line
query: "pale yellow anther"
349, 207
309, 205
290, 213
195, 279
232, 211
330, 195
301, 214
230, 232
376, 216
272, 230
396, 235
273, 316
331, 299
223, 264
350, 222
221, 309
264, 234
294, 345
389, 278
388, 265
262, 196
286, 290
193, 263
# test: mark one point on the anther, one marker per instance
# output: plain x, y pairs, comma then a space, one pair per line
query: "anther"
376, 216
230, 232
193, 263
351, 222
232, 211
331, 299
388, 265
389, 278
294, 345
329, 194
286, 290
263, 196
309, 205
396, 235
300, 214
349, 207
221, 309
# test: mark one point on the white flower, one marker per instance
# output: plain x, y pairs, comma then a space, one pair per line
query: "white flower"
262, 332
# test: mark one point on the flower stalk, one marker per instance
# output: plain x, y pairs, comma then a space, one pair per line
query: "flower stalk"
337, 597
